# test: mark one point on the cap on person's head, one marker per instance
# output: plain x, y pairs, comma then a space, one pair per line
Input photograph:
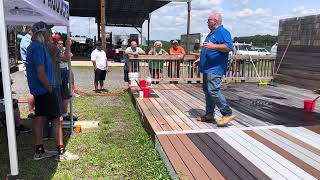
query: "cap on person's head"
98, 43
175, 41
56, 37
41, 27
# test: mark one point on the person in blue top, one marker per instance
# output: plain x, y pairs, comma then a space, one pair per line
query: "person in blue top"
41, 80
25, 42
213, 63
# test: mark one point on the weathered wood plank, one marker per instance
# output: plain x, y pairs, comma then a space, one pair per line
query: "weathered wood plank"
173, 109
150, 118
175, 124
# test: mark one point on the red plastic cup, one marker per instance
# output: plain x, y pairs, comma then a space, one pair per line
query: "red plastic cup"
146, 92
309, 105
143, 83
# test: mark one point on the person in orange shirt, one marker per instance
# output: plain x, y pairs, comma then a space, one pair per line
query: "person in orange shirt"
174, 67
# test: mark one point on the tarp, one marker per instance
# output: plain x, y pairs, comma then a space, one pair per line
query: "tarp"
23, 12
27, 12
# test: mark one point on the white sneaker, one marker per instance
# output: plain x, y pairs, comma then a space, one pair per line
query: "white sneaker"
46, 154
67, 156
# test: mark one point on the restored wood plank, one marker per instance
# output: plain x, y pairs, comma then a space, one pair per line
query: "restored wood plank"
303, 154
256, 172
298, 162
263, 166
175, 159
253, 146
190, 162
206, 165
226, 158
297, 141
213, 158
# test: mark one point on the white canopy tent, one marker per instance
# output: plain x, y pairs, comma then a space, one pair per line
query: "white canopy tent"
24, 12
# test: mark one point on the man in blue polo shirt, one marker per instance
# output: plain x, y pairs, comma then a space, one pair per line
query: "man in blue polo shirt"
213, 64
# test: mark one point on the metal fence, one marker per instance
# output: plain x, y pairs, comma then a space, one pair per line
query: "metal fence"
174, 68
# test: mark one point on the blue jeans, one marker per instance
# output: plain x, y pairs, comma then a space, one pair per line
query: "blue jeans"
211, 88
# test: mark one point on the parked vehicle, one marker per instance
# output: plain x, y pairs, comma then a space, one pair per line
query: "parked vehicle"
248, 49
274, 49
262, 51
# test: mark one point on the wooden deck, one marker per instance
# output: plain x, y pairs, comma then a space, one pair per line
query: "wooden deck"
271, 138
275, 153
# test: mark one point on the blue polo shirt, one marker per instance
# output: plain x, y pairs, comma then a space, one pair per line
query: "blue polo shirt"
37, 54
213, 61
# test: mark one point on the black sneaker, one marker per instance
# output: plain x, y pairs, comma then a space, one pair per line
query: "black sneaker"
23, 129
31, 116
67, 118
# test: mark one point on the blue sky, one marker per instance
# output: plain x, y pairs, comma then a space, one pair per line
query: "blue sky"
241, 17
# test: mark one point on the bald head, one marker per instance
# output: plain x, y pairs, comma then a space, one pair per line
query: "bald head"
214, 21
133, 44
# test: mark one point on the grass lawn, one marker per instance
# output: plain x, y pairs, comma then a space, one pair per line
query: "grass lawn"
121, 149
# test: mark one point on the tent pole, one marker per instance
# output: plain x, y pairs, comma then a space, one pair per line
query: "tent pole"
70, 85
11, 133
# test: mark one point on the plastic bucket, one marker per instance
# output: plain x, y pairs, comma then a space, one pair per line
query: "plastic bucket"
133, 78
143, 83
309, 105
146, 92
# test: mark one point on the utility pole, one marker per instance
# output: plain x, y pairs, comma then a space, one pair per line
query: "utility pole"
188, 26
103, 23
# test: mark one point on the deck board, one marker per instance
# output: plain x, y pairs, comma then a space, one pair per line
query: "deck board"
272, 137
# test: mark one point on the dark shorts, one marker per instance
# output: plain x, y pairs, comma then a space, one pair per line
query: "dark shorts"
100, 75
65, 92
47, 105
64, 76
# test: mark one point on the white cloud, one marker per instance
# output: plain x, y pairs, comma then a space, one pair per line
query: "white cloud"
304, 11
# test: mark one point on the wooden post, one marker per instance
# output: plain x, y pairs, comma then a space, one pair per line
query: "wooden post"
103, 24
99, 31
188, 26
149, 30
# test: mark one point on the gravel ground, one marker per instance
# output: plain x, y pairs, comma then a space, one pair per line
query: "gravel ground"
83, 79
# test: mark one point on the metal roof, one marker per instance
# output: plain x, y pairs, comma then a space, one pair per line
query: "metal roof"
125, 13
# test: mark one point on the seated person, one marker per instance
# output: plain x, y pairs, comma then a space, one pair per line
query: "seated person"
16, 111
156, 67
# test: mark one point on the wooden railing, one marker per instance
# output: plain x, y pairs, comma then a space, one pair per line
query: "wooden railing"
168, 68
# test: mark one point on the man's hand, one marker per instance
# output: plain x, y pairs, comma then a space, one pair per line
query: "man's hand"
68, 43
50, 90
107, 69
197, 62
209, 45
